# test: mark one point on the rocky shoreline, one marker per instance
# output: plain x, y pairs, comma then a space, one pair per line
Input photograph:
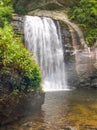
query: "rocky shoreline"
14, 106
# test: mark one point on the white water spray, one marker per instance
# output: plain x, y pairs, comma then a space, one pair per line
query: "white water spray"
43, 37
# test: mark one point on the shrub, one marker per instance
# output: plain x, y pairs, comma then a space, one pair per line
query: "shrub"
20, 6
18, 70
85, 14
5, 14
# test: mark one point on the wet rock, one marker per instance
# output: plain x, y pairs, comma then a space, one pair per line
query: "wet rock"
28, 124
43, 128
18, 24
69, 128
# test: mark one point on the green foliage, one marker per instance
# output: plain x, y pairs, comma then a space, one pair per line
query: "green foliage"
85, 14
18, 70
20, 6
6, 11
20, 9
5, 2
15, 92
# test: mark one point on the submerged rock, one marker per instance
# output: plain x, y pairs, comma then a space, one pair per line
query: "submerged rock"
28, 124
69, 128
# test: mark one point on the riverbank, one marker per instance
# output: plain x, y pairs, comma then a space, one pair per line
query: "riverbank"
14, 106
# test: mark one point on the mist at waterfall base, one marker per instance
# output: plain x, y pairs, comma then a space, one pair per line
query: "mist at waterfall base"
43, 38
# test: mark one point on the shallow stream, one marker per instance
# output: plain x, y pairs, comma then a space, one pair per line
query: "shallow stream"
63, 110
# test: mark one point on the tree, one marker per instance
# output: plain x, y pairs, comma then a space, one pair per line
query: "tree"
85, 14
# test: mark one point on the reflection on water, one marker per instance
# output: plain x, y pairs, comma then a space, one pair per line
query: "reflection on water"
76, 109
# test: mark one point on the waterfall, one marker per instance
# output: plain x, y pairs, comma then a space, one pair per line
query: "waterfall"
43, 38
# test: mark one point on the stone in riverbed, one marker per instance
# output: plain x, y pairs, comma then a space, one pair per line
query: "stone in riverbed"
27, 124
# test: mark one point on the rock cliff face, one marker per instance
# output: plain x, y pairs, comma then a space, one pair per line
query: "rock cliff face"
78, 57
23, 6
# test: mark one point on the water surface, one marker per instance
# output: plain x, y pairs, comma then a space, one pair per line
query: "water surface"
76, 109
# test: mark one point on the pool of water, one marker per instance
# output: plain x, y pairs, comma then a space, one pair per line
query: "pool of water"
76, 109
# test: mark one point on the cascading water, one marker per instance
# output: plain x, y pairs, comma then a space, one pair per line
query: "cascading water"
43, 37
